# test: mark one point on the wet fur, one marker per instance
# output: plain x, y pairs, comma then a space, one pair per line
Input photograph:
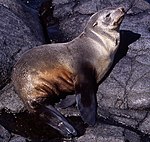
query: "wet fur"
47, 71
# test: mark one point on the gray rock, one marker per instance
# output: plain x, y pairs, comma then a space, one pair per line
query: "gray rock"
101, 4
17, 34
10, 101
107, 133
57, 2
17, 138
145, 124
64, 10
70, 26
131, 136
5, 65
34, 4
123, 98
26, 16
130, 118
4, 134
88, 7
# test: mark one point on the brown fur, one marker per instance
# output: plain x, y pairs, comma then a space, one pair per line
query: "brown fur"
73, 67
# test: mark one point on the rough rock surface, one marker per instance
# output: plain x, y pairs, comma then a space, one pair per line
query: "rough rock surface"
4, 134
16, 34
17, 138
123, 97
107, 133
9, 100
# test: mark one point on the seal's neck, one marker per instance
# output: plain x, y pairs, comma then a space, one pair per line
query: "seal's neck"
108, 40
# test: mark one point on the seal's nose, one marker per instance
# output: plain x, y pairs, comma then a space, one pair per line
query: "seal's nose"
121, 9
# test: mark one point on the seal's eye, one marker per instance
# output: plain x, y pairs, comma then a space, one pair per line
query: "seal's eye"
108, 15
95, 24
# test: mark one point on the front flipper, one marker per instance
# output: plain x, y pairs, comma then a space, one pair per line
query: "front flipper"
86, 88
56, 120
87, 105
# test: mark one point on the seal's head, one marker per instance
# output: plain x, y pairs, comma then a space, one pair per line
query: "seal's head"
107, 19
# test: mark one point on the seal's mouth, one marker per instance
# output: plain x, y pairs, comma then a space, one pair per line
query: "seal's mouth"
118, 21
118, 16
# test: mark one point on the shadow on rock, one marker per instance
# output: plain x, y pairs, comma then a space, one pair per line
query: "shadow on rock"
110, 121
29, 126
50, 23
126, 38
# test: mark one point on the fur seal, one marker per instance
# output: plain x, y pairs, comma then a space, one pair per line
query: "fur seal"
48, 71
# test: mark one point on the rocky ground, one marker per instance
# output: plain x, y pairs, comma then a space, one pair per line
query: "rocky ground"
124, 94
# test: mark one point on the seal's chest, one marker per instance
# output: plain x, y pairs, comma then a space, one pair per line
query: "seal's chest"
104, 65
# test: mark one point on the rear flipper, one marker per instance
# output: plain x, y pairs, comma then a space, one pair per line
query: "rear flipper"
56, 120
68, 101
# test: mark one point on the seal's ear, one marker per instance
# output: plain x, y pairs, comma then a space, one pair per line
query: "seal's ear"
86, 89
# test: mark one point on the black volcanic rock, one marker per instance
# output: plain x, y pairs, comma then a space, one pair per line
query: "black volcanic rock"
124, 93
4, 134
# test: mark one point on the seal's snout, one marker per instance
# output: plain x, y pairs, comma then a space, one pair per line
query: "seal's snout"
121, 9
117, 17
